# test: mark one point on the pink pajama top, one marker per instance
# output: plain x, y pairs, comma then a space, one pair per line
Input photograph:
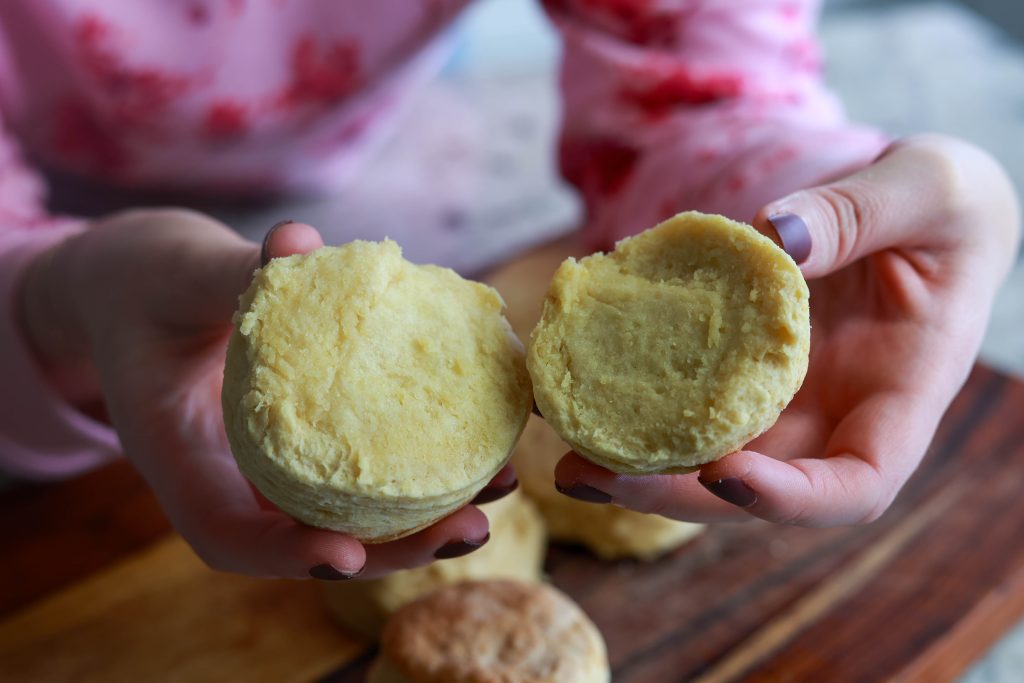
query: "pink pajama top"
715, 105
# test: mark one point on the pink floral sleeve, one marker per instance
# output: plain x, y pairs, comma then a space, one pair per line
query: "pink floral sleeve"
714, 105
41, 435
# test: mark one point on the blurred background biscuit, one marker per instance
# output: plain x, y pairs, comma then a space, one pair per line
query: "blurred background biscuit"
609, 531
516, 551
507, 631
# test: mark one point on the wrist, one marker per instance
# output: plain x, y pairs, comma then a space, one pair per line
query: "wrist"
52, 327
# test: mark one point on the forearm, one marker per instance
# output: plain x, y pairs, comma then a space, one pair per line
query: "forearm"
42, 434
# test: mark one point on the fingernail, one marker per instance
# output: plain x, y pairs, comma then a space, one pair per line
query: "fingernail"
536, 410
326, 572
731, 490
583, 492
265, 250
459, 548
794, 235
493, 493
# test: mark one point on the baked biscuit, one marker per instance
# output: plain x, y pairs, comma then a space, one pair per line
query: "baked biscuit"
368, 395
674, 350
516, 551
506, 631
609, 531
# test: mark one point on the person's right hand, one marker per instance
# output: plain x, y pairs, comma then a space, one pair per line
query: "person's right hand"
904, 259
138, 308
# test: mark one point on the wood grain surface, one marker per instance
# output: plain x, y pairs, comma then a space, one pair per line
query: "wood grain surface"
106, 594
95, 587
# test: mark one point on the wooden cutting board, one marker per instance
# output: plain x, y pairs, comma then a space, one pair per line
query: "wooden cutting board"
95, 587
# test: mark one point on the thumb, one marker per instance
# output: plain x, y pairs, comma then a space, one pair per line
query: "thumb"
283, 239
287, 238
896, 201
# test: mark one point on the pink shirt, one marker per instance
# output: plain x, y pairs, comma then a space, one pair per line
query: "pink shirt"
716, 105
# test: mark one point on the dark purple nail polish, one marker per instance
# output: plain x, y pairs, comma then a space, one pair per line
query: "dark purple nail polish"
731, 490
493, 493
265, 250
459, 548
585, 493
326, 572
794, 235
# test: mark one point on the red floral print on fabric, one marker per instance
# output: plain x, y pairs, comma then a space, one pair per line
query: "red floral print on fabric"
598, 167
707, 155
682, 87
791, 11
135, 94
640, 22
637, 21
198, 13
321, 74
80, 136
667, 209
805, 55
225, 119
783, 155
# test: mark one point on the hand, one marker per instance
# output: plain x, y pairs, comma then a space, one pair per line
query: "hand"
903, 259
142, 303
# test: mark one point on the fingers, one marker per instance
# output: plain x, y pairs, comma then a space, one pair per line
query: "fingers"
832, 491
251, 536
459, 534
283, 239
265, 543
287, 238
503, 483
677, 496
269, 544
222, 275
870, 455
906, 199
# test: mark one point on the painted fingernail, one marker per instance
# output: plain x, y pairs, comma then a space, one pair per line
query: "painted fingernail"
326, 572
536, 410
583, 492
794, 235
459, 548
265, 250
731, 490
493, 493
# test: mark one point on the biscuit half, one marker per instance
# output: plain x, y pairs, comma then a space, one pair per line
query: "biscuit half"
675, 349
368, 395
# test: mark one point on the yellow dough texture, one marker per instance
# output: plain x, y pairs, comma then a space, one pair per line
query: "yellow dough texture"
516, 550
609, 531
499, 630
677, 348
368, 395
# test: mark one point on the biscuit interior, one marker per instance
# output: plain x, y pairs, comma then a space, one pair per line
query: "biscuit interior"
369, 395
675, 349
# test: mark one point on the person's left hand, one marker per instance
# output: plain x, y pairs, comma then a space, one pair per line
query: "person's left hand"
903, 260
143, 301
